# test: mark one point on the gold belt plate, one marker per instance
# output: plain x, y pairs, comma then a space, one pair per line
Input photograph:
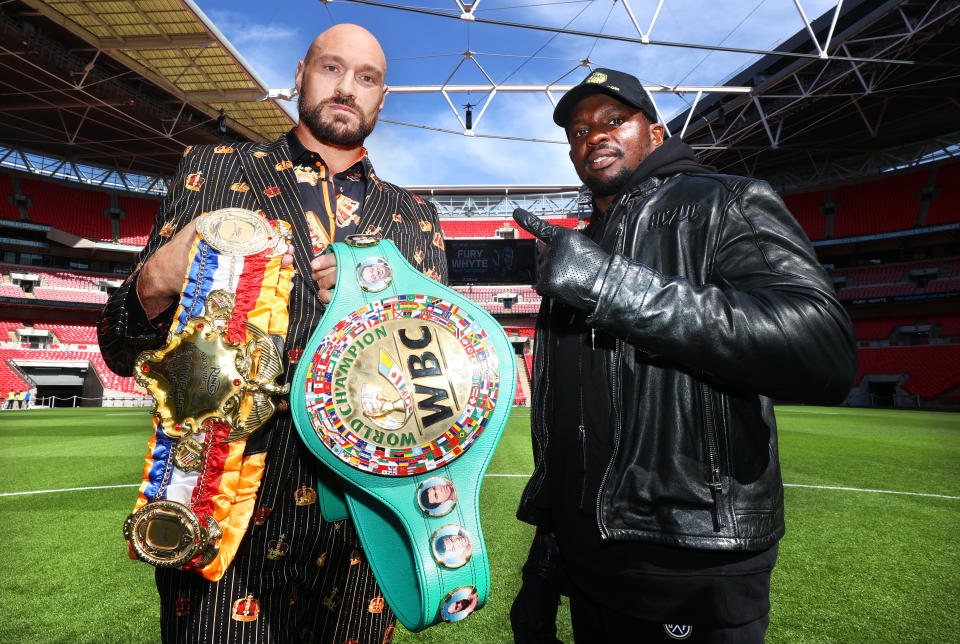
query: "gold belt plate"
201, 376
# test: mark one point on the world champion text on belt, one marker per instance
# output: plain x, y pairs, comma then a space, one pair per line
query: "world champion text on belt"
214, 383
403, 392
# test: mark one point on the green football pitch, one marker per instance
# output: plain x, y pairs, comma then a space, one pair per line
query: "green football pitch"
871, 553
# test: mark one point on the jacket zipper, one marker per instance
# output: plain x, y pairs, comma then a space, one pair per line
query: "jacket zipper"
713, 458
614, 399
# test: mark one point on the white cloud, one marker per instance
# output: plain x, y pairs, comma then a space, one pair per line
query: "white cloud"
271, 49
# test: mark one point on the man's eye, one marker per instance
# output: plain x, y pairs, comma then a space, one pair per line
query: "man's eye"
580, 132
616, 121
331, 68
368, 79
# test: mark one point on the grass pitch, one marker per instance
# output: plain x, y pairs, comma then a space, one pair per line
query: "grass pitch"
871, 552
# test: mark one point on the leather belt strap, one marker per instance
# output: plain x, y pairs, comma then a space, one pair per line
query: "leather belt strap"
404, 393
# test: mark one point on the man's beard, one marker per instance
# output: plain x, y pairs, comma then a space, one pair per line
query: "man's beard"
606, 186
335, 130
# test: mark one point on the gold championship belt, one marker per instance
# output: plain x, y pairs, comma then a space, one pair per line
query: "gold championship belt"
213, 384
404, 392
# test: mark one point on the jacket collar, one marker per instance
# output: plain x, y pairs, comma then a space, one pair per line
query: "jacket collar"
269, 171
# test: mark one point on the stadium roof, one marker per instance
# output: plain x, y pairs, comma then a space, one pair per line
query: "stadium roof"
125, 83
815, 120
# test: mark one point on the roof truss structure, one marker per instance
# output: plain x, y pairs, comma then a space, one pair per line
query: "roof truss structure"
126, 84
817, 121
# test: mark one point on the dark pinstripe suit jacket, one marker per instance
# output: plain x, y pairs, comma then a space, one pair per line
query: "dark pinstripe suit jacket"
258, 176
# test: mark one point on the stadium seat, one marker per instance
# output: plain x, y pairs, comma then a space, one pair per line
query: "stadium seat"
74, 210
878, 206
931, 369
7, 209
945, 207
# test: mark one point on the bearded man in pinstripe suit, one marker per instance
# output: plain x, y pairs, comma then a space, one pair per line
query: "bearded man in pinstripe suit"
296, 577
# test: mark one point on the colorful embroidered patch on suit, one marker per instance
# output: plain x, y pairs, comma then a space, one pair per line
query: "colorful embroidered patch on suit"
332, 599
432, 274
193, 181
187, 149
355, 175
388, 635
418, 199
418, 256
283, 165
306, 174
259, 155
354, 557
240, 186
246, 609
397, 217
272, 191
425, 225
183, 606
305, 495
167, 230
372, 230
293, 355
376, 605
261, 515
322, 560
278, 548
346, 210
222, 149
438, 240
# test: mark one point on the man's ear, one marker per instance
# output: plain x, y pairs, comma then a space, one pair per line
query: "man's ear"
299, 75
383, 99
657, 130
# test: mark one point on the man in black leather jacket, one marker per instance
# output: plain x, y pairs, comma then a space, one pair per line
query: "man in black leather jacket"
668, 326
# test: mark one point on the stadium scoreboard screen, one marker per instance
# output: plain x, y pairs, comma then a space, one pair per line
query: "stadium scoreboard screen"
491, 261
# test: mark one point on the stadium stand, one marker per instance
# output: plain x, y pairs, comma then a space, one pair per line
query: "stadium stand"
878, 206
7, 209
11, 290
879, 328
805, 207
949, 325
110, 380
74, 210
70, 332
945, 207
138, 219
487, 227
931, 369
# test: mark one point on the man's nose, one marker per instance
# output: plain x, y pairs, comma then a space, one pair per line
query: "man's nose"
347, 85
598, 135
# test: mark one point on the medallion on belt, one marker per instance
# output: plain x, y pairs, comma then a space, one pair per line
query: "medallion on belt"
402, 386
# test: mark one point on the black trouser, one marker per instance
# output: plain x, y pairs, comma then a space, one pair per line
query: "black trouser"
601, 623
320, 590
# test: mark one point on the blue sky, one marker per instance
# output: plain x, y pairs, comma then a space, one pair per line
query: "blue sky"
425, 50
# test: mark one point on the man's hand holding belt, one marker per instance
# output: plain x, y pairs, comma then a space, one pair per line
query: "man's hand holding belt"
572, 268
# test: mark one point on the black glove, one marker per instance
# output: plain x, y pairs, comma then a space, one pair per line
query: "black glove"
572, 267
533, 615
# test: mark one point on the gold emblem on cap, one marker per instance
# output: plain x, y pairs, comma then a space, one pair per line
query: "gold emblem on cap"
596, 77
200, 375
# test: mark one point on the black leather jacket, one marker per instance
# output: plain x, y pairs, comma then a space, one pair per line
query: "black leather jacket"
719, 305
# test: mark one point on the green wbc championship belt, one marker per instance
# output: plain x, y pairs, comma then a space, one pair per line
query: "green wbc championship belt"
404, 395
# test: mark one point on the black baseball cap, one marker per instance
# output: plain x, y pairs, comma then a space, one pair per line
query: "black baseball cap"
622, 86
